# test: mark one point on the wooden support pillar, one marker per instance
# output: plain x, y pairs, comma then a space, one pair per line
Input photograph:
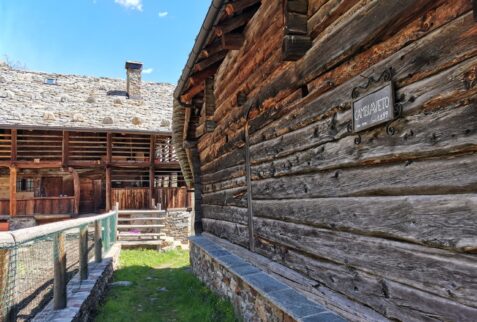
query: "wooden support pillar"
109, 156
98, 242
152, 172
8, 309
76, 189
13, 191
108, 188
83, 252
65, 149
59, 283
13, 151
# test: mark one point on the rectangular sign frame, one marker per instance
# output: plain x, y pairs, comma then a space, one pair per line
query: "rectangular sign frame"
374, 108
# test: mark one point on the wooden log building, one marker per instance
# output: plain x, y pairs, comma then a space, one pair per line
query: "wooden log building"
74, 145
338, 139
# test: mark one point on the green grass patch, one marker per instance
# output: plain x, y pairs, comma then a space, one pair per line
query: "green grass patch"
163, 289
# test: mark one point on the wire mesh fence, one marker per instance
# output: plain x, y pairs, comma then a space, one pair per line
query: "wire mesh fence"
27, 266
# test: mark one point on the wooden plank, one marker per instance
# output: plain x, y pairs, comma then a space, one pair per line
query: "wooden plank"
442, 221
236, 233
60, 281
13, 191
455, 175
396, 301
418, 136
446, 274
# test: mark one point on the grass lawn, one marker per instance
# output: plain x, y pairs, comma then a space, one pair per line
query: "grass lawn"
163, 289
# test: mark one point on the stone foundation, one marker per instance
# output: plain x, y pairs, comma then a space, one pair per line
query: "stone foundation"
256, 295
84, 296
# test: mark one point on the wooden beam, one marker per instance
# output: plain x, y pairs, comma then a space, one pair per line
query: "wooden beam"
193, 91
212, 49
76, 189
295, 46
296, 23
151, 184
238, 6
298, 6
233, 23
109, 147
152, 169
201, 76
65, 149
209, 61
13, 156
108, 188
232, 41
13, 191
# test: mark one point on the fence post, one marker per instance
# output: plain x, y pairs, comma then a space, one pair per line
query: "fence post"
7, 294
106, 234
98, 242
59, 284
83, 252
115, 222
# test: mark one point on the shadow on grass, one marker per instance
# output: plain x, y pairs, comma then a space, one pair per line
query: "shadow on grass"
163, 289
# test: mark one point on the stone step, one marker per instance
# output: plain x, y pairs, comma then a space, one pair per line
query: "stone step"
139, 226
141, 218
141, 212
142, 244
123, 234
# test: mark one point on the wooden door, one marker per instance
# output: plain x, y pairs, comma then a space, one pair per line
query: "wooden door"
86, 196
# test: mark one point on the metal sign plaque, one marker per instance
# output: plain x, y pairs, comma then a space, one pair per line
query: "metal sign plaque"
375, 108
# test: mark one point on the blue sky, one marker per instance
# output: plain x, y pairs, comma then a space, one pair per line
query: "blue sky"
96, 37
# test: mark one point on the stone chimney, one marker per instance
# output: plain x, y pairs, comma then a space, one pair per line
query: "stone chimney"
133, 71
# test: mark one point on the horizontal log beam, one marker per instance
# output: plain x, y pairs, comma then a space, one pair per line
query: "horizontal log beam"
240, 5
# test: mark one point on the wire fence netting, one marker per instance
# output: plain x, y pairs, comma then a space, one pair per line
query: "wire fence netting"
27, 269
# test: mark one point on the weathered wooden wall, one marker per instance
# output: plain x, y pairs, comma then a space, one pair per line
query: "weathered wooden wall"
391, 223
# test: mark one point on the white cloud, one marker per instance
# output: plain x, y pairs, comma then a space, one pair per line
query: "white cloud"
130, 4
162, 14
148, 70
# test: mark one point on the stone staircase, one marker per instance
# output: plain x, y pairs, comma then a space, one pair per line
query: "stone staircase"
142, 228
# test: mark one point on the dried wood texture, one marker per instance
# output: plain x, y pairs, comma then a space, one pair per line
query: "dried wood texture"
389, 223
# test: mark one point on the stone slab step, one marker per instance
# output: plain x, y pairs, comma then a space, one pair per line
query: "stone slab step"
141, 218
141, 235
139, 226
141, 212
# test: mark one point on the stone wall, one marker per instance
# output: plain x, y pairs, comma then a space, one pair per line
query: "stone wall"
255, 295
178, 225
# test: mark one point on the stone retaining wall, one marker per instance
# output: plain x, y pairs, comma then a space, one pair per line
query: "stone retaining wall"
178, 225
256, 295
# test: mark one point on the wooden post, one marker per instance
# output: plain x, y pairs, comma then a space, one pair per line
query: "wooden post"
59, 283
152, 157
13, 191
7, 310
108, 188
65, 148
13, 152
76, 189
109, 157
83, 252
98, 242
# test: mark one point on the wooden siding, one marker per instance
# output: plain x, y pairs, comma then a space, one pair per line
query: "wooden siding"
390, 223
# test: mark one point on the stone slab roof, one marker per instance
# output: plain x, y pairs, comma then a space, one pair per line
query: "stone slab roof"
81, 102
